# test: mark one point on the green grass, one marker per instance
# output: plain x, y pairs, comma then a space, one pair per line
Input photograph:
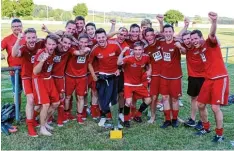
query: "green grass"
140, 136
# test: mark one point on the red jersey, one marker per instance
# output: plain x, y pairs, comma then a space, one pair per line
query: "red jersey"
155, 53
195, 66
212, 59
107, 57
28, 57
77, 66
92, 43
8, 43
131, 42
47, 66
60, 62
134, 69
171, 66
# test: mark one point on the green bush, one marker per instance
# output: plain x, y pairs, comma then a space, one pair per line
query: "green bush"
27, 18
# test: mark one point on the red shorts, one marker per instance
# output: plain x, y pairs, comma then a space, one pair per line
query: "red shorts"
27, 86
45, 91
60, 84
171, 87
78, 84
137, 91
91, 83
214, 91
155, 85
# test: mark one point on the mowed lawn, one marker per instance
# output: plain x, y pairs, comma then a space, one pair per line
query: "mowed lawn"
142, 136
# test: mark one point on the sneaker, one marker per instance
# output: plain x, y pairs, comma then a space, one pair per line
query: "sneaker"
166, 124
218, 138
180, 103
119, 125
159, 105
71, 117
102, 122
161, 109
121, 117
199, 126
80, 119
174, 123
126, 124
202, 132
137, 119
190, 123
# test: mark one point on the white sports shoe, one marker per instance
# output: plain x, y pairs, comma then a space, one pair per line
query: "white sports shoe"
102, 122
180, 103
121, 117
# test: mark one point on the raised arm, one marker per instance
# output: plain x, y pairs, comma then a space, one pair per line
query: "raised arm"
213, 17
42, 58
16, 48
160, 19
120, 58
113, 22
186, 25
181, 48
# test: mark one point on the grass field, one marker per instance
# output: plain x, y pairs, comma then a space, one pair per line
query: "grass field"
139, 137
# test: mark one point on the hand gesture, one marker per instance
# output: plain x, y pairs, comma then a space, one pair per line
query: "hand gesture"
94, 77
113, 21
44, 28
20, 36
125, 49
117, 72
213, 16
178, 45
87, 49
160, 18
43, 57
186, 22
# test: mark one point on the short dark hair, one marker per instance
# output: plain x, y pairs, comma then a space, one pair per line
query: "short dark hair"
53, 37
138, 43
168, 26
198, 32
186, 33
16, 20
79, 18
83, 35
134, 26
30, 30
149, 29
100, 30
90, 24
70, 22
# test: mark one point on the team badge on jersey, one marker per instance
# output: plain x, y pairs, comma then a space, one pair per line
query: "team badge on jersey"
134, 65
50, 68
203, 57
81, 59
112, 54
99, 56
57, 59
157, 56
166, 56
171, 50
32, 59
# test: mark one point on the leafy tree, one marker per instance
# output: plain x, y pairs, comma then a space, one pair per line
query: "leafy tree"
80, 10
173, 16
66, 15
197, 19
40, 11
24, 7
8, 8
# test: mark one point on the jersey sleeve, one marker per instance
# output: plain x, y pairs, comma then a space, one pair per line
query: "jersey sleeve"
4, 44
126, 60
212, 42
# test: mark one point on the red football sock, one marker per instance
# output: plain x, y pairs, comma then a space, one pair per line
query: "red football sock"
219, 132
206, 125
167, 114
175, 114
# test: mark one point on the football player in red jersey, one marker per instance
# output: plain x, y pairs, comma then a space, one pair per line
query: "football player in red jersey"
215, 89
44, 89
27, 53
133, 82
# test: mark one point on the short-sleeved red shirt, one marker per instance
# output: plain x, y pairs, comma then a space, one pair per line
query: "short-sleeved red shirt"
107, 57
171, 64
47, 66
212, 59
28, 58
134, 69
8, 43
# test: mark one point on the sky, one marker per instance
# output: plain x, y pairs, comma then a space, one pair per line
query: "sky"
189, 8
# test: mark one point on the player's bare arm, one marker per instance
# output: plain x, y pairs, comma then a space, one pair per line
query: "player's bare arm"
42, 58
213, 18
120, 58
91, 70
15, 50
180, 47
186, 25
160, 19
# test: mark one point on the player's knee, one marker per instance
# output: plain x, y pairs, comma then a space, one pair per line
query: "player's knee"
148, 100
44, 106
174, 100
215, 108
55, 105
165, 98
201, 106
80, 98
